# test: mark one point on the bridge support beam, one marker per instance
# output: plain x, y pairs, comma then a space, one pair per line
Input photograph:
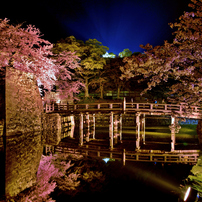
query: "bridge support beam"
120, 127
72, 126
111, 131
116, 129
93, 126
143, 128
137, 131
88, 127
81, 130
172, 128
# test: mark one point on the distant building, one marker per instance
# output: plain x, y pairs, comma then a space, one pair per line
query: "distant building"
109, 55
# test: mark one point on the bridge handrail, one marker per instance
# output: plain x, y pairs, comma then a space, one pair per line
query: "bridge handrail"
125, 106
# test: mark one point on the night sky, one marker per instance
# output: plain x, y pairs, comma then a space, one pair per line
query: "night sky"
118, 24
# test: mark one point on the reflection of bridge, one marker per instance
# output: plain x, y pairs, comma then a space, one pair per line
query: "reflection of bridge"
186, 156
115, 111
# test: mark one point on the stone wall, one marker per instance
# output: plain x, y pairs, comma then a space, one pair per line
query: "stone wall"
22, 136
23, 153
24, 130
51, 134
2, 117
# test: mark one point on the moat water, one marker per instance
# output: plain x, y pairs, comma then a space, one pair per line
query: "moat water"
142, 182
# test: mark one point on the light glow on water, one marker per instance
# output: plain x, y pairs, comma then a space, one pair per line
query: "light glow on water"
106, 160
187, 193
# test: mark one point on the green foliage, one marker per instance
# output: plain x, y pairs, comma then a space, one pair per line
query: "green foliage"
90, 53
196, 176
90, 176
125, 53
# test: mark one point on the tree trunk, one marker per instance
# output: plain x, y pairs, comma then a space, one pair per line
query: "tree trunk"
86, 88
118, 92
101, 91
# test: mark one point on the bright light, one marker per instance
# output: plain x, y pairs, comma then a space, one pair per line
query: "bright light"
58, 101
106, 160
187, 193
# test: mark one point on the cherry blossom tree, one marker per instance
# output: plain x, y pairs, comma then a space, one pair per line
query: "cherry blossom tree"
179, 62
51, 171
25, 50
63, 173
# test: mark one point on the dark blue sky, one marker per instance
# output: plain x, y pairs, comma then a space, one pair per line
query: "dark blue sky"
118, 24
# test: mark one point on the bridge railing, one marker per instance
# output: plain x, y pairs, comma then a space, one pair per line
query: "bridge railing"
127, 106
98, 106
152, 106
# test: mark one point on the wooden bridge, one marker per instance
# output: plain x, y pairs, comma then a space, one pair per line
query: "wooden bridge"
114, 111
155, 156
182, 110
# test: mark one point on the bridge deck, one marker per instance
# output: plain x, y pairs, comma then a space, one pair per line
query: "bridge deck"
130, 107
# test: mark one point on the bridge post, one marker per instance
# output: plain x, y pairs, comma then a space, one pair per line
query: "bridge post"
116, 129
88, 127
172, 128
93, 126
143, 128
137, 131
81, 130
124, 157
120, 127
111, 131
124, 104
72, 126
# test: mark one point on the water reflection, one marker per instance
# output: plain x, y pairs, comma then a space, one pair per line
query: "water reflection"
141, 182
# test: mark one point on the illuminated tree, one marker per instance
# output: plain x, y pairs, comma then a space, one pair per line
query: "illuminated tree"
125, 53
25, 50
90, 54
101, 80
178, 62
69, 44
